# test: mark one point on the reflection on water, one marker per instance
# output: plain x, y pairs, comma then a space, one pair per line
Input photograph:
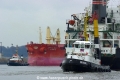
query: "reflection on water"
51, 73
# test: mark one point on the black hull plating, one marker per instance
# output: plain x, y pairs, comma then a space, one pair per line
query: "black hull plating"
17, 64
112, 61
82, 66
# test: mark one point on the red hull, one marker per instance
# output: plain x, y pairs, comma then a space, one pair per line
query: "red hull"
45, 54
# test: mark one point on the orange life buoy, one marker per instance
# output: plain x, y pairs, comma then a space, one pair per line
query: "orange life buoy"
72, 22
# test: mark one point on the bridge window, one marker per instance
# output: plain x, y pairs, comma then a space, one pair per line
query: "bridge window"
87, 45
76, 45
106, 50
82, 45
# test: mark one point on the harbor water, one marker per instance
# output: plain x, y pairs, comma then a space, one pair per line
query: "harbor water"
51, 73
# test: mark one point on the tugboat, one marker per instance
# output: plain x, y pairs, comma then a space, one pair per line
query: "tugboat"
85, 56
16, 61
83, 59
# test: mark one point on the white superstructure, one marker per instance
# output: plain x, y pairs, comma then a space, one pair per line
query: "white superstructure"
83, 50
109, 30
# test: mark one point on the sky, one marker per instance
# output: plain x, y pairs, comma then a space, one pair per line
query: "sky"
20, 19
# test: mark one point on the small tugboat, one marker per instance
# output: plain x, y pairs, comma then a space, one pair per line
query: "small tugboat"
16, 61
85, 56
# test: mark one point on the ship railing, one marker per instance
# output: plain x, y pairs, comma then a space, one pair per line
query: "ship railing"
101, 28
76, 37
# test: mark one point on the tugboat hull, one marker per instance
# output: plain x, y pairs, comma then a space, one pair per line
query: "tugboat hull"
115, 64
112, 61
17, 64
75, 65
82, 66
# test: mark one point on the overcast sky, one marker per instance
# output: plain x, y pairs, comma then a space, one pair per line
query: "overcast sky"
20, 19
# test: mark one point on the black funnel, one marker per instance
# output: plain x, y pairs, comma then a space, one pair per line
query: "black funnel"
100, 7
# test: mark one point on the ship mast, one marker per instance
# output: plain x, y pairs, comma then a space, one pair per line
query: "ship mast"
40, 40
16, 49
48, 37
85, 26
98, 8
96, 35
58, 36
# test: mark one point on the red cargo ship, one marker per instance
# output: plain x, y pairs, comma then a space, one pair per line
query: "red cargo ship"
50, 54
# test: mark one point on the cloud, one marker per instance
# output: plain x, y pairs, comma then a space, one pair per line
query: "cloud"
20, 19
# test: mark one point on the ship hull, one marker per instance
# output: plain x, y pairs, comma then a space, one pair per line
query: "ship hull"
17, 64
75, 65
43, 61
45, 55
112, 61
